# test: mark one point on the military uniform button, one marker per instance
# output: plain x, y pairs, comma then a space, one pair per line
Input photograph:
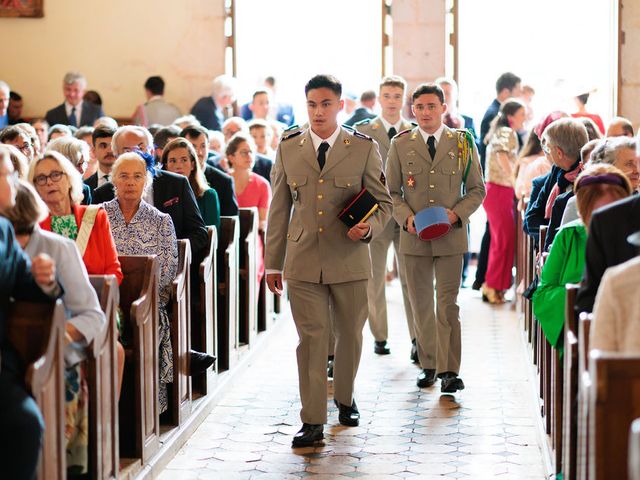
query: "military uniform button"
432, 171
320, 230
348, 184
288, 235
321, 180
320, 212
294, 184
320, 197
431, 186
430, 201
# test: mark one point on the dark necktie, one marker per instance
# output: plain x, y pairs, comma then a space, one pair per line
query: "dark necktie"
322, 150
392, 132
72, 118
106, 178
431, 144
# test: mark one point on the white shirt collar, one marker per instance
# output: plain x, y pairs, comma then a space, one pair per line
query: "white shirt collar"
387, 125
437, 134
317, 140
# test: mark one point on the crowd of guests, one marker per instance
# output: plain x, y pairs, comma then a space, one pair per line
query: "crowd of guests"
88, 190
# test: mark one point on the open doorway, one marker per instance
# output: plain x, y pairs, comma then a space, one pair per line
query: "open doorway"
293, 40
560, 48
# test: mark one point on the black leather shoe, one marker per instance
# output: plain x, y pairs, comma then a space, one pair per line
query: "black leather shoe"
200, 362
348, 416
426, 378
451, 383
308, 436
414, 352
381, 348
330, 368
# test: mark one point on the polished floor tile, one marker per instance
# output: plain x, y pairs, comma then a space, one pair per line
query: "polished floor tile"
489, 430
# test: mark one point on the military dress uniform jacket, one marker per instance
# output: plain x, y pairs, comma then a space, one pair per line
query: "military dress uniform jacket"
416, 182
376, 130
304, 234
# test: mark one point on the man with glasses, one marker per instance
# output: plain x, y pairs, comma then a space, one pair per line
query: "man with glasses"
19, 138
427, 168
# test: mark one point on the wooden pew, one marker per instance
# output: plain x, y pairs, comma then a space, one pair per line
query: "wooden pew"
228, 292
102, 379
266, 299
584, 386
36, 331
180, 389
634, 450
138, 406
544, 352
613, 405
248, 276
570, 392
204, 338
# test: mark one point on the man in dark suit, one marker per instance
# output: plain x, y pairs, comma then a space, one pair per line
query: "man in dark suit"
102, 151
607, 245
210, 110
74, 111
507, 86
19, 278
221, 182
365, 110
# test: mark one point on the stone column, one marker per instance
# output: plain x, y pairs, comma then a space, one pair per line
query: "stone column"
629, 92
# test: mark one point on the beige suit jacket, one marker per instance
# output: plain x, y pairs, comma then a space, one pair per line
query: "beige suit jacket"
416, 182
376, 130
304, 234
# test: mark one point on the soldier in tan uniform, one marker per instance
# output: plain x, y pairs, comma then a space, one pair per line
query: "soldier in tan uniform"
317, 172
382, 129
425, 168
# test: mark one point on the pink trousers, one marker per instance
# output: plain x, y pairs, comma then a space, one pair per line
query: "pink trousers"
502, 224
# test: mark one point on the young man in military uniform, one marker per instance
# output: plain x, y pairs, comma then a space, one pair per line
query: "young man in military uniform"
433, 165
317, 172
382, 129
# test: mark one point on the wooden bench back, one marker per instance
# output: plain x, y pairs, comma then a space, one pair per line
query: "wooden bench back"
204, 339
180, 389
36, 331
613, 405
570, 397
228, 292
102, 379
248, 277
139, 414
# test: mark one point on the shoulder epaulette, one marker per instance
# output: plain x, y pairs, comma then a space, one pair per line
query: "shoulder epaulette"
348, 127
291, 135
363, 122
414, 124
403, 132
362, 135
292, 127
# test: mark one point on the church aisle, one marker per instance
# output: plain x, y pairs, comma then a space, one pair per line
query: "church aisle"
488, 430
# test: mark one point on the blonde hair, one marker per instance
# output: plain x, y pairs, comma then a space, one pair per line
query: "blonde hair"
76, 151
75, 179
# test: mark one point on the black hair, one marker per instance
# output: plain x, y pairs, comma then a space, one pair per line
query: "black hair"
155, 85
15, 96
324, 81
194, 131
428, 88
162, 136
102, 132
507, 80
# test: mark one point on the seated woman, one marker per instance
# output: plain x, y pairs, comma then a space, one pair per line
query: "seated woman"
251, 189
532, 163
597, 186
141, 229
84, 316
59, 184
615, 325
180, 157
78, 153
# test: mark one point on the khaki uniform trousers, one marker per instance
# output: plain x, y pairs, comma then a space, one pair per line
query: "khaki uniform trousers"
310, 310
379, 247
437, 326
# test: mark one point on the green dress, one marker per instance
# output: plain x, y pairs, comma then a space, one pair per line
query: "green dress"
209, 208
565, 264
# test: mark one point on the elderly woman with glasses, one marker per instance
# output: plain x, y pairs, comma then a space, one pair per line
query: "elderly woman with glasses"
251, 189
59, 184
19, 138
140, 229
78, 153
84, 316
598, 185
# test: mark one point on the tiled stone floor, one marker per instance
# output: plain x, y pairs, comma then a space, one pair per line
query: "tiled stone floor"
486, 431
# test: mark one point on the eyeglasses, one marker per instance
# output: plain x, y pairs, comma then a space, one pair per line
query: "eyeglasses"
26, 147
55, 176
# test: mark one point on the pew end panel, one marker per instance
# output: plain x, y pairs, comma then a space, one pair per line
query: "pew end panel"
228, 292
180, 390
102, 367
248, 276
139, 406
36, 331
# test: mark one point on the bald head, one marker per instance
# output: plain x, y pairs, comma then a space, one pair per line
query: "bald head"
620, 127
